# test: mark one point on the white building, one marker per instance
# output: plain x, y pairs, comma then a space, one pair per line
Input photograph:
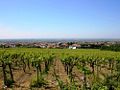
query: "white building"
72, 47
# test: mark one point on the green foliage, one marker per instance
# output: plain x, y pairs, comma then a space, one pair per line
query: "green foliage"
115, 47
39, 84
87, 62
9, 82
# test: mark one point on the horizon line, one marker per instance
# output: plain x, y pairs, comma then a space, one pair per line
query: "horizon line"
52, 38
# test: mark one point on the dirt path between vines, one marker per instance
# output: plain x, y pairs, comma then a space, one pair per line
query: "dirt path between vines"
23, 82
52, 83
78, 77
57, 68
60, 71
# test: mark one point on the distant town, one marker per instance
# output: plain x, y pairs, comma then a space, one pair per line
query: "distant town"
70, 44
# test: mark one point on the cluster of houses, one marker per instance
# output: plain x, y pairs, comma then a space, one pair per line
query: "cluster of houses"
70, 45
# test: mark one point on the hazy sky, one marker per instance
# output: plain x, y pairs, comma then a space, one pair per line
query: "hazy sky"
59, 19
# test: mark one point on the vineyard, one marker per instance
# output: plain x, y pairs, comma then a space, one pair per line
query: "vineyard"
59, 69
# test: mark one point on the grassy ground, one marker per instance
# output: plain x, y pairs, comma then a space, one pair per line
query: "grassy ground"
60, 51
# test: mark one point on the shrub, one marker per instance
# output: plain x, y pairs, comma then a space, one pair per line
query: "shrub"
39, 84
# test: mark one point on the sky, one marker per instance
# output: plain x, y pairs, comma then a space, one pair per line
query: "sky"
38, 19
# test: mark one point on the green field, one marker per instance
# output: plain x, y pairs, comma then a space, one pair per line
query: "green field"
64, 69
60, 51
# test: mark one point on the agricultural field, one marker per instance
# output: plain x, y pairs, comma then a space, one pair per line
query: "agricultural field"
59, 69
